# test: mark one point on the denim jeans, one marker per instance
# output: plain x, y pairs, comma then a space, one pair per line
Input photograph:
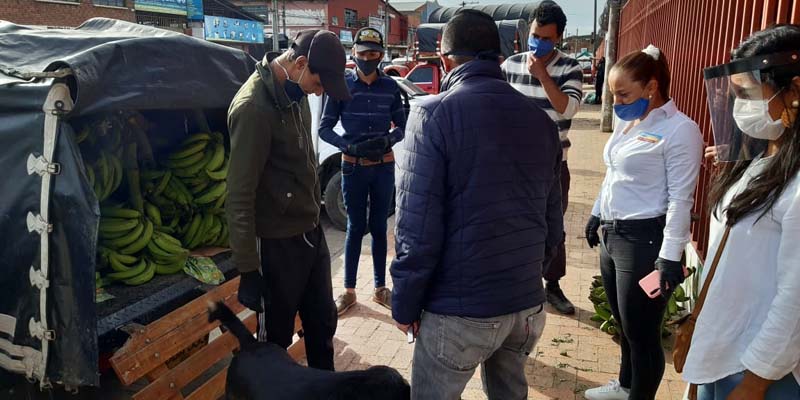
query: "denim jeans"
628, 252
361, 186
449, 349
784, 389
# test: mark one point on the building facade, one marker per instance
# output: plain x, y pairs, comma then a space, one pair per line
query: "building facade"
64, 13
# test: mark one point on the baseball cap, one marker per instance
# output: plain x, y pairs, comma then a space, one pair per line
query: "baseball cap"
369, 39
326, 57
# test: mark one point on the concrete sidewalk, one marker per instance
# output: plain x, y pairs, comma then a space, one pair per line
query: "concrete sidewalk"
573, 354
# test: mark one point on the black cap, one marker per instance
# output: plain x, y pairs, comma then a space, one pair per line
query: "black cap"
369, 39
326, 57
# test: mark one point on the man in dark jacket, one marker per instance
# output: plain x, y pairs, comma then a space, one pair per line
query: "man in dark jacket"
479, 202
273, 205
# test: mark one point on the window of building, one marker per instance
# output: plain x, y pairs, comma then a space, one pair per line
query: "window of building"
350, 18
335, 21
113, 3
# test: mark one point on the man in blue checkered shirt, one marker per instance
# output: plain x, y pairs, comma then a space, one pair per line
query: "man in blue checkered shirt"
373, 120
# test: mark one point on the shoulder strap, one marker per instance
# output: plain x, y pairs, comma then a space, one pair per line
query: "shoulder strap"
702, 298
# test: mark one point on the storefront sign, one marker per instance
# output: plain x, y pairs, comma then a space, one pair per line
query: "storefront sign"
176, 7
346, 36
194, 10
233, 30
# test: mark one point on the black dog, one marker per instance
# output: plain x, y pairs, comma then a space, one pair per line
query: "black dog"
266, 371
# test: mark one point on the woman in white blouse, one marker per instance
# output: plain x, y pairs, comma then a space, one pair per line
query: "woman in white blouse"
652, 159
746, 343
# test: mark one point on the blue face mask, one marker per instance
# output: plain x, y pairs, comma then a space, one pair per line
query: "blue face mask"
540, 47
293, 90
630, 112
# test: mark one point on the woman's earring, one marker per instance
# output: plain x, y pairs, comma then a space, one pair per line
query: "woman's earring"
796, 104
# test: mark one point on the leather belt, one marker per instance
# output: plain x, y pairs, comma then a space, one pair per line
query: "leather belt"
634, 223
365, 162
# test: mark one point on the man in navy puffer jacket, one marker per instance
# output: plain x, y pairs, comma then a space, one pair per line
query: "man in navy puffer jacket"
479, 204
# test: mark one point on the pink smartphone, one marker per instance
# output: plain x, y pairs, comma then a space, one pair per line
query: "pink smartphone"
651, 284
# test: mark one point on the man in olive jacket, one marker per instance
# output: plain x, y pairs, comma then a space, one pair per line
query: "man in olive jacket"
273, 204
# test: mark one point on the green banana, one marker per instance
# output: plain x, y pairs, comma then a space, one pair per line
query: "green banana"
162, 184
218, 158
158, 252
82, 135
150, 175
129, 272
202, 232
196, 138
220, 204
90, 174
221, 174
184, 191
192, 231
169, 243
195, 168
172, 268
123, 258
198, 180
118, 172
185, 162
110, 225
174, 192
141, 241
213, 233
222, 241
212, 194
198, 188
144, 277
108, 178
116, 261
188, 150
126, 240
114, 212
153, 213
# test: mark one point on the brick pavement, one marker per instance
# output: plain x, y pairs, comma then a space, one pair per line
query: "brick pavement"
573, 354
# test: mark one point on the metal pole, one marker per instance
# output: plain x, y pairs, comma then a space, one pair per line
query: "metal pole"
594, 31
606, 122
284, 17
275, 42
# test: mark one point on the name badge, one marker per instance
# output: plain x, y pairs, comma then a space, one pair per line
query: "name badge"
649, 137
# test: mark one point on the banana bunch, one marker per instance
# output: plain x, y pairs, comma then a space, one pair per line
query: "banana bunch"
167, 253
105, 176
128, 269
201, 154
125, 230
207, 228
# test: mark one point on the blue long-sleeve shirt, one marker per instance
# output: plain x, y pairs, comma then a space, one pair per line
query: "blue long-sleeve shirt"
369, 114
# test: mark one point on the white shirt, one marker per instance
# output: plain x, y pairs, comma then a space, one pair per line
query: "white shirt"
651, 171
751, 317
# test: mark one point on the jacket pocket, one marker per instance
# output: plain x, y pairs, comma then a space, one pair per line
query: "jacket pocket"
282, 188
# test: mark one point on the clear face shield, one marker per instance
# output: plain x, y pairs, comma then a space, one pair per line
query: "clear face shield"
739, 94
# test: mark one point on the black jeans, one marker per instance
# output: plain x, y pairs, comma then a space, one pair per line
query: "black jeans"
297, 276
555, 268
628, 252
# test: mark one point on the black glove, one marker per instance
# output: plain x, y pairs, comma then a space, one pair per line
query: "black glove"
374, 149
592, 238
251, 290
671, 275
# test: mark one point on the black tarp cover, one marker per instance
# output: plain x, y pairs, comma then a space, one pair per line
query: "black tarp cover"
498, 12
513, 36
117, 66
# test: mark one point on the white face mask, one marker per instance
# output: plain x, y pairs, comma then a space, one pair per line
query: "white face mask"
752, 117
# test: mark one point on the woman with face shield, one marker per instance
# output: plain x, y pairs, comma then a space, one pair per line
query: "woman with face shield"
641, 217
746, 342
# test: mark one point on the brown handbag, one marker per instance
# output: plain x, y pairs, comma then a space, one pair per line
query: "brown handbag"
683, 337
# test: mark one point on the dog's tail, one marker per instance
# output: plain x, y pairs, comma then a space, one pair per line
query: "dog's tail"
220, 312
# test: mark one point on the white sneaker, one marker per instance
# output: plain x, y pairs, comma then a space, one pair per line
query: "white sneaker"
611, 391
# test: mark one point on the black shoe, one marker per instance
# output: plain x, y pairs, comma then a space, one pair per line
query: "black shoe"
560, 302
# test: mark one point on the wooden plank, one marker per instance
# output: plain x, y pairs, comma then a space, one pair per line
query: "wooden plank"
183, 374
131, 364
187, 312
297, 350
153, 375
213, 389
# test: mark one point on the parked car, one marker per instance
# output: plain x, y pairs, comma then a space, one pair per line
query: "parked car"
330, 158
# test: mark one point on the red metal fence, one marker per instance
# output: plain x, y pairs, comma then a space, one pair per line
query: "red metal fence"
695, 34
